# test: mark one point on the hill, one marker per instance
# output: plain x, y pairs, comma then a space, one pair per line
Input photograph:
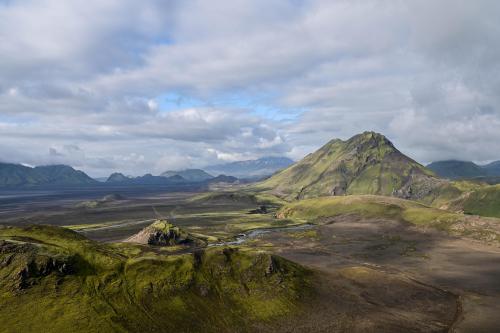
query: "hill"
368, 206
367, 163
453, 169
16, 175
190, 175
77, 285
261, 167
163, 233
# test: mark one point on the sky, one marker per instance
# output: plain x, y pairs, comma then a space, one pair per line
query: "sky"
146, 86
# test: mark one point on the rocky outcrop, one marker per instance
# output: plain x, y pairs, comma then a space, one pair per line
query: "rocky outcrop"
28, 263
162, 233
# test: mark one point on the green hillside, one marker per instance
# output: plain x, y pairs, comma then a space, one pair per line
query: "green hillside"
77, 285
367, 163
483, 201
369, 206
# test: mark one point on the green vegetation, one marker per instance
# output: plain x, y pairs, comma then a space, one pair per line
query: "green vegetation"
312, 234
55, 280
242, 197
368, 206
467, 197
484, 201
367, 163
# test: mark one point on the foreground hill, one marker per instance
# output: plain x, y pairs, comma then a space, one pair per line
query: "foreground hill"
15, 175
367, 163
261, 167
55, 280
77, 285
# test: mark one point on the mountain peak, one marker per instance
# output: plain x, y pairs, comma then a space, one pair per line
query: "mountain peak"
367, 163
117, 177
370, 138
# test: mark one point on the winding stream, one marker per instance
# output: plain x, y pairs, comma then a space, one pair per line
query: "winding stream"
243, 237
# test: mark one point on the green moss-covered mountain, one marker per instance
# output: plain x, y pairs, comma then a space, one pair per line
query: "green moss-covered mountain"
16, 175
55, 280
367, 163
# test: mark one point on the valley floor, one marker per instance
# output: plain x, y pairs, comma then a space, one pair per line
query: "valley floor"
463, 267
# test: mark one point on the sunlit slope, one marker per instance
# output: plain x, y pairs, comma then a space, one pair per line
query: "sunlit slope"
468, 198
374, 207
368, 163
54, 280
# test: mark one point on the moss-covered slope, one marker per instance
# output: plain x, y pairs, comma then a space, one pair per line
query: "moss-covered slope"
466, 197
367, 163
54, 280
369, 206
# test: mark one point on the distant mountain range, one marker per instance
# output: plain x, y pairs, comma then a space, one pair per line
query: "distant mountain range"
20, 176
259, 168
147, 179
454, 169
16, 175
192, 175
367, 163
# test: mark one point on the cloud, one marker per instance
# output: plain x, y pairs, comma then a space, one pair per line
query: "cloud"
94, 74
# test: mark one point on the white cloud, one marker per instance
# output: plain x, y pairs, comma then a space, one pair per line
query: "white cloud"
92, 74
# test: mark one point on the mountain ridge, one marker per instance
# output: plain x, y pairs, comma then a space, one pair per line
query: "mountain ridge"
458, 169
192, 175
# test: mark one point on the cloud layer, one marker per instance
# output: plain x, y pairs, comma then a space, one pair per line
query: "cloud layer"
147, 86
